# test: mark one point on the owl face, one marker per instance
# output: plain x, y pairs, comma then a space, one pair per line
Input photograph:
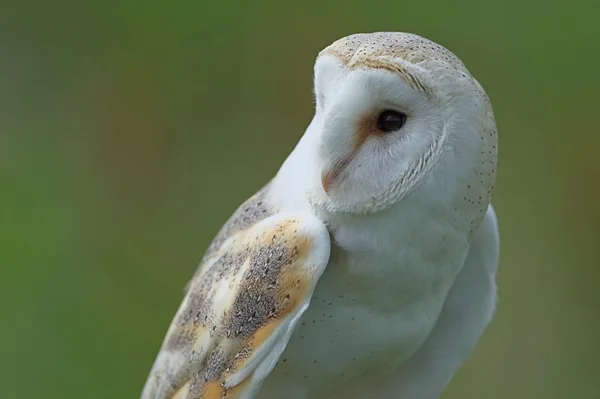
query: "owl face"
388, 108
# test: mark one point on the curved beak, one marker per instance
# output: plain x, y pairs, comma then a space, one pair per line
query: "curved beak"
354, 141
329, 177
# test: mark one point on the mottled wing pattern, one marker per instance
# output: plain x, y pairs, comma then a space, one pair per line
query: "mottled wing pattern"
249, 213
240, 310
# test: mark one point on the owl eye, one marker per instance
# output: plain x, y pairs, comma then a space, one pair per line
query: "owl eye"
390, 121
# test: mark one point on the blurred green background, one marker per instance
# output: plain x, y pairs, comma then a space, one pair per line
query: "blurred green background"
129, 132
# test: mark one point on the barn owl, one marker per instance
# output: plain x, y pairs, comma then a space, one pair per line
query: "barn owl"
366, 266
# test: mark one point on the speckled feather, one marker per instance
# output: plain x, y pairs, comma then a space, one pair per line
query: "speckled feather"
411, 48
241, 306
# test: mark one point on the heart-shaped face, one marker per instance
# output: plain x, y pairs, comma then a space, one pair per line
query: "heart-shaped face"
389, 108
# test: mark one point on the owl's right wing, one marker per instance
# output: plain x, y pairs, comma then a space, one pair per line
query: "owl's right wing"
240, 310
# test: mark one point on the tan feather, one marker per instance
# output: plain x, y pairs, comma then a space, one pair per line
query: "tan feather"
240, 310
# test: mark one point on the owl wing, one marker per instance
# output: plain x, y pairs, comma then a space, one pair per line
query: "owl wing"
240, 310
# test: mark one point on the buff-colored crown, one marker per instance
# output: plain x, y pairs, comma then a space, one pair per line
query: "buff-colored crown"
412, 48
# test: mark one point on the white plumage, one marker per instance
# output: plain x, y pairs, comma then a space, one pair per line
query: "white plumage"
397, 169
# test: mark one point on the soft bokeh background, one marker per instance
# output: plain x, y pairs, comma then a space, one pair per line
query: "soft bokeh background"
129, 131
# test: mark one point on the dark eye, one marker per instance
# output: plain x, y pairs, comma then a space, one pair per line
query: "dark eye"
390, 121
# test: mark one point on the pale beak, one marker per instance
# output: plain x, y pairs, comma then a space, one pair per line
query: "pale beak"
327, 181
329, 177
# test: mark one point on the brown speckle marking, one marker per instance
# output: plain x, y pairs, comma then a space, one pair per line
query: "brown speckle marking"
378, 50
184, 336
264, 278
250, 212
